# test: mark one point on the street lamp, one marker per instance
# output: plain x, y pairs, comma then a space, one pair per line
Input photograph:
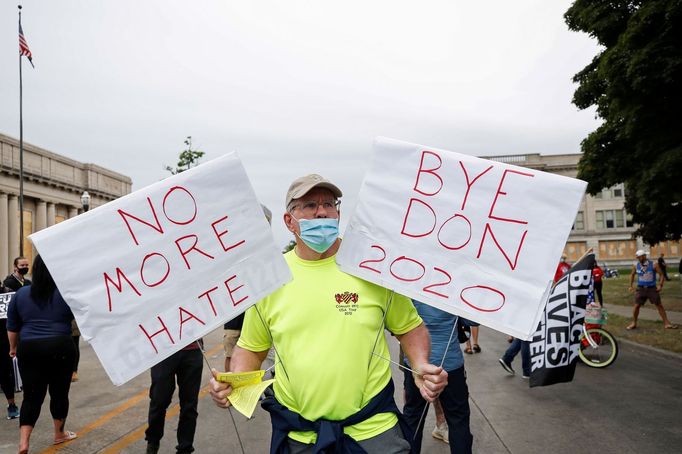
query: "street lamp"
85, 200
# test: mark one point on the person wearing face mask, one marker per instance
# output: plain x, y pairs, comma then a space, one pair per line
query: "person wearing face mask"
333, 393
12, 283
18, 279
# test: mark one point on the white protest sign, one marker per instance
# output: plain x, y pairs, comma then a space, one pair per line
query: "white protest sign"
473, 237
149, 273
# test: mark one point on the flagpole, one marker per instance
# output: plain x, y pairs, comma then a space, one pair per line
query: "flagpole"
21, 155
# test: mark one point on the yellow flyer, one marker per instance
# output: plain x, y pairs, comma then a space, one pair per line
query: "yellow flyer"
245, 398
239, 379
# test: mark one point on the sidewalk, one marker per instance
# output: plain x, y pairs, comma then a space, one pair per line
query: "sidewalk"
646, 312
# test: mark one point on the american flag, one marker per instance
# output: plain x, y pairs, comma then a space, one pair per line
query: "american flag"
23, 46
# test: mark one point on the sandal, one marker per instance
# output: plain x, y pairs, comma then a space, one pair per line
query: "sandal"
477, 349
68, 435
468, 351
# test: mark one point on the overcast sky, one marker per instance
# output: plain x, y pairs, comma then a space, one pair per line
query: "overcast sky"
294, 87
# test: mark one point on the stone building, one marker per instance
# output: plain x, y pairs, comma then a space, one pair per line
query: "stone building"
602, 222
53, 186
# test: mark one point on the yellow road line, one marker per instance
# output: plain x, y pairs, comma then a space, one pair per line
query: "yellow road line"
102, 419
138, 433
117, 411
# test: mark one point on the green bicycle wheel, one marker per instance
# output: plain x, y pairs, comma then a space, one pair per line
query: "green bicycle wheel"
604, 353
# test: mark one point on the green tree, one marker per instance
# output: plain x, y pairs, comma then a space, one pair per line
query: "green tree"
635, 83
188, 158
289, 246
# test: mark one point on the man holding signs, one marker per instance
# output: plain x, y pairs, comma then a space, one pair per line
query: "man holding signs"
332, 390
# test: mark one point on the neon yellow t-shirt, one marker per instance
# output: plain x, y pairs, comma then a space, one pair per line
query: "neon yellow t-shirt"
324, 324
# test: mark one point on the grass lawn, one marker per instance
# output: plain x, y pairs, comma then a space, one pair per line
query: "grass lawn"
616, 291
648, 332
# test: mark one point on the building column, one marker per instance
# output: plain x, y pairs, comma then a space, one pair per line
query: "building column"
41, 215
50, 214
41, 222
4, 237
73, 212
13, 230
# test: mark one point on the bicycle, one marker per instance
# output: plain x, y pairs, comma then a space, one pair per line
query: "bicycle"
598, 347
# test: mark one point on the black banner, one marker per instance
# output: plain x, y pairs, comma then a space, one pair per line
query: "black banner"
555, 344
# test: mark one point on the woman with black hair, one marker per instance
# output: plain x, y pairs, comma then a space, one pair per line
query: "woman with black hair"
39, 331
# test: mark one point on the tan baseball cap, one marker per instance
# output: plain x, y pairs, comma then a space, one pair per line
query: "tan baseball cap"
301, 186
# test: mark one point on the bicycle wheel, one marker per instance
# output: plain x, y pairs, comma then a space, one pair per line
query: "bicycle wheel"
604, 353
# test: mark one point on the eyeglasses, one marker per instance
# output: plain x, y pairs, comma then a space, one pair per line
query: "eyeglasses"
310, 208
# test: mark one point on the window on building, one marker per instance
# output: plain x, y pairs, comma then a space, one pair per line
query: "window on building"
579, 223
628, 220
613, 219
614, 192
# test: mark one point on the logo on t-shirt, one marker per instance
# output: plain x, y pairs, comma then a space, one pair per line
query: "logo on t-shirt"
346, 302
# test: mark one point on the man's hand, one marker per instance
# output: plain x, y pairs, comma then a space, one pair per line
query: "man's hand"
631, 289
431, 381
219, 391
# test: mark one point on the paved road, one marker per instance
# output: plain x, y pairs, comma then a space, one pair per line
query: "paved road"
631, 407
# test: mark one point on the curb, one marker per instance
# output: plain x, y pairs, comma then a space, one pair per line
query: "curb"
666, 354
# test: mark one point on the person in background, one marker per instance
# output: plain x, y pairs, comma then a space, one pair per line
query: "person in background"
561, 269
185, 366
17, 279
39, 331
454, 400
13, 282
75, 335
509, 355
663, 266
474, 329
597, 276
440, 432
646, 271
6, 366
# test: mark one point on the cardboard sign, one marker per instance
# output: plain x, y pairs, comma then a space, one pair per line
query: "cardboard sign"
4, 304
149, 273
473, 237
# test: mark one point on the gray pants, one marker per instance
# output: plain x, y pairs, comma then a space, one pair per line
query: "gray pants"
389, 442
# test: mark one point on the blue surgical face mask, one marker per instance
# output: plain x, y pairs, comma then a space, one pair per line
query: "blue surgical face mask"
319, 234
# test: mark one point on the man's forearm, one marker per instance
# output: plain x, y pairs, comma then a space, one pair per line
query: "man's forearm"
417, 345
245, 360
